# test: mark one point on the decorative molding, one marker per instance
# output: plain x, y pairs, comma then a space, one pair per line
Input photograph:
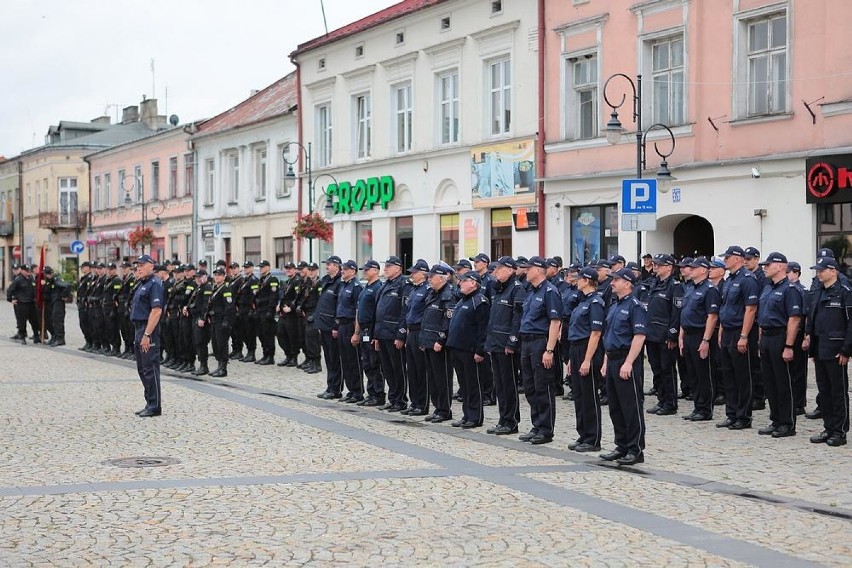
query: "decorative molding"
582, 26
836, 108
496, 30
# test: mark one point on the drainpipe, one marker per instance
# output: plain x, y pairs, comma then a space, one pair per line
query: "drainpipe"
539, 154
88, 218
21, 208
299, 136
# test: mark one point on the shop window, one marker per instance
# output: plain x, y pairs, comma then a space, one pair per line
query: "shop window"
594, 232
450, 238
364, 240
501, 233
834, 231
173, 246
283, 250
251, 246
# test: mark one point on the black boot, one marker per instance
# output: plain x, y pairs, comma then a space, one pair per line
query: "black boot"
201, 370
315, 368
249, 358
235, 355
293, 362
221, 370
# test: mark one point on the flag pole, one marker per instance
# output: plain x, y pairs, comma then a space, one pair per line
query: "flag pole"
40, 292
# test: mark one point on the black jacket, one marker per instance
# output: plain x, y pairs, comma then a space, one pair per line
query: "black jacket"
830, 322
507, 305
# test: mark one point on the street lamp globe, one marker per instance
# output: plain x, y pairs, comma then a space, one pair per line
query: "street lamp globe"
613, 128
665, 179
290, 178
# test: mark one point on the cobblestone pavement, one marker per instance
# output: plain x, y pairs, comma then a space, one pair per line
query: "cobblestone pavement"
266, 473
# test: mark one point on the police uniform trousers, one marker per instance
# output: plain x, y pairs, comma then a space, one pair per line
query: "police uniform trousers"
467, 371
289, 335
221, 332
96, 318
833, 384
266, 332
127, 332
83, 317
166, 335
333, 370
703, 391
112, 334
538, 384
372, 370
148, 365
312, 341
799, 370
415, 364
777, 377
486, 378
758, 388
187, 339
719, 367
393, 370
587, 402
683, 368
558, 367
56, 310
237, 334
349, 358
173, 329
626, 401
200, 339
248, 329
565, 352
440, 381
504, 369
663, 360
738, 378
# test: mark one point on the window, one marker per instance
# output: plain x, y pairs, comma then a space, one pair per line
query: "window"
359, 51
324, 139
283, 250
173, 247
834, 231
122, 177
500, 79
38, 196
252, 249
501, 232
260, 173
97, 194
233, 177
403, 117
107, 191
582, 104
450, 238
188, 239
400, 38
445, 25
594, 232
363, 126
209, 180
67, 201
281, 189
188, 174
137, 183
321, 64
364, 234
155, 180
767, 65
448, 89
668, 81
173, 177
496, 6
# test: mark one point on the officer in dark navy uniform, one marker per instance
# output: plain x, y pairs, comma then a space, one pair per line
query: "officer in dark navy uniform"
540, 326
665, 299
325, 318
604, 268
828, 339
439, 304
347, 306
245, 293
265, 304
585, 355
389, 335
482, 264
288, 328
306, 307
145, 312
414, 294
503, 343
221, 312
365, 324
799, 366
758, 390
623, 339
570, 297
521, 272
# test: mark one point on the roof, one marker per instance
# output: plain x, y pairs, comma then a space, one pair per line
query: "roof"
383, 16
116, 134
277, 99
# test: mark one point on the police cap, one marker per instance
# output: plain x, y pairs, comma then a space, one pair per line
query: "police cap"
419, 265
774, 257
625, 274
589, 273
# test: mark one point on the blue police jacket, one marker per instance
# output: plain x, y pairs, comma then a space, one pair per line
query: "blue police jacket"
325, 313
469, 323
587, 316
390, 316
347, 300
665, 300
414, 295
806, 299
779, 301
625, 319
149, 294
504, 321
605, 290
541, 305
436, 317
367, 307
703, 300
739, 291
830, 322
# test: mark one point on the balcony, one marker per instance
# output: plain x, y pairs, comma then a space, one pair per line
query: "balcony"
7, 228
53, 221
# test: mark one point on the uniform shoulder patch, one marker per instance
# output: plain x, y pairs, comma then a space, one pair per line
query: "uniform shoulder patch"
678, 302
449, 314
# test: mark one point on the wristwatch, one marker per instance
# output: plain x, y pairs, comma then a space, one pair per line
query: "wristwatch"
705, 340
549, 351
148, 335
743, 336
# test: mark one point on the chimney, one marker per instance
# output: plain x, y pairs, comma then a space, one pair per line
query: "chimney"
148, 115
130, 114
102, 120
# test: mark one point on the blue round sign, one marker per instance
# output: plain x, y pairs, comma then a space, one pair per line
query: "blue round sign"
77, 247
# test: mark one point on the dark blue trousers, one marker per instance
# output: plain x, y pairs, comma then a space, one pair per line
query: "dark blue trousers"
148, 366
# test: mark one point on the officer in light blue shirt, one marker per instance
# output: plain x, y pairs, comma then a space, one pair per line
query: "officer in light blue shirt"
146, 309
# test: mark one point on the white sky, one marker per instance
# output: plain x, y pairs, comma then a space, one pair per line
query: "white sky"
69, 59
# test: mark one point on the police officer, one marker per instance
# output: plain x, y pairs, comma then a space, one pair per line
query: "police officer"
365, 323
737, 315
221, 312
196, 310
539, 331
439, 303
265, 303
245, 294
414, 293
186, 345
112, 317
145, 312
82, 307
697, 337
799, 366
503, 343
828, 340
235, 281
96, 314
325, 318
167, 276
570, 297
128, 283
306, 308
21, 293
665, 299
758, 391
586, 323
174, 303
555, 276
779, 317
389, 334
56, 292
289, 328
347, 307
604, 268
623, 339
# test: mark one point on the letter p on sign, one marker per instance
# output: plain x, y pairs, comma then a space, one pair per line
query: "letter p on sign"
639, 195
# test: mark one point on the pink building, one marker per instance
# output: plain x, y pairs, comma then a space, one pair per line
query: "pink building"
758, 96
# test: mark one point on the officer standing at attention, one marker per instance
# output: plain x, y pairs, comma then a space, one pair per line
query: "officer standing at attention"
779, 317
172, 316
325, 317
288, 321
96, 314
623, 339
128, 282
245, 294
235, 281
82, 307
306, 308
799, 367
758, 391
414, 293
112, 316
439, 304
365, 323
503, 342
389, 334
738, 316
540, 326
266, 302
221, 311
347, 307
168, 285
828, 340
197, 313
570, 297
56, 291
665, 300
604, 268
145, 312
482, 264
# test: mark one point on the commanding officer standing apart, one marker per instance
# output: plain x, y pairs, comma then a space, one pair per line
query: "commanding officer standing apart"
665, 299
779, 317
623, 340
365, 323
439, 304
221, 312
347, 307
145, 312
288, 321
828, 339
265, 303
540, 326
325, 317
414, 292
389, 334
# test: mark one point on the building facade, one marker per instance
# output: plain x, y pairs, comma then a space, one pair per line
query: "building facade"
9, 218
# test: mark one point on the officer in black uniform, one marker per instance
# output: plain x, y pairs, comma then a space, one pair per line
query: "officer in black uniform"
245, 294
186, 345
306, 308
623, 339
828, 340
82, 307
389, 334
347, 338
665, 300
539, 332
174, 303
325, 319
56, 291
439, 303
96, 314
168, 279
289, 327
221, 311
365, 323
110, 307
266, 302
196, 310
235, 281
414, 293
145, 312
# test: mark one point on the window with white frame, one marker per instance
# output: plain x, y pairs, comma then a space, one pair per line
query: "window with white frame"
107, 191
402, 117
173, 177
137, 183
281, 189
260, 173
581, 113
97, 194
363, 126
209, 180
767, 64
667, 78
155, 181
68, 201
448, 106
324, 137
188, 174
500, 103
233, 161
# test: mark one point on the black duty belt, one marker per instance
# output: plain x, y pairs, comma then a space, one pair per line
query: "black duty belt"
693, 331
532, 336
773, 330
617, 353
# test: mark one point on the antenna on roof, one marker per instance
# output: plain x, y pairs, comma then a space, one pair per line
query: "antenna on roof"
324, 21
153, 80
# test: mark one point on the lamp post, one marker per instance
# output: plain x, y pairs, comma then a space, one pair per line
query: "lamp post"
614, 131
290, 180
157, 206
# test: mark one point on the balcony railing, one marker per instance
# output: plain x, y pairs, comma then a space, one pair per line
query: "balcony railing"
7, 228
71, 220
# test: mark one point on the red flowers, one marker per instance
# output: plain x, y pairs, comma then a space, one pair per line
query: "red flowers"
313, 226
141, 237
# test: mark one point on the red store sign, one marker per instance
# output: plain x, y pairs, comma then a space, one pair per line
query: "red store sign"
829, 179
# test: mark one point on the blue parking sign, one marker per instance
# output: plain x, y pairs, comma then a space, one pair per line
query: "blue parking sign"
639, 195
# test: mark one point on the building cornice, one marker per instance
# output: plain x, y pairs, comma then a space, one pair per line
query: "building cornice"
584, 25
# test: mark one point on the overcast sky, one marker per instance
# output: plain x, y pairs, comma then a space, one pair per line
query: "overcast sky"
69, 60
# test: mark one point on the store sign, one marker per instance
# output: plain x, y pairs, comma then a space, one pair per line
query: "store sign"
829, 179
363, 195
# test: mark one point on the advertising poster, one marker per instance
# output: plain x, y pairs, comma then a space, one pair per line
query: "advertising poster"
503, 170
586, 234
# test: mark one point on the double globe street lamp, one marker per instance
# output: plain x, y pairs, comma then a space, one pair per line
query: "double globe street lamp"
137, 186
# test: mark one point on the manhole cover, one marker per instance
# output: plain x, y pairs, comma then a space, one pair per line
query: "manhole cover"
141, 462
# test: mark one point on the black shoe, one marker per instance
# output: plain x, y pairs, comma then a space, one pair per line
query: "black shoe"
396, 407
719, 400
201, 370
148, 412
726, 423
302, 364
503, 430
651, 392
458, 423
283, 363
569, 396
666, 411
430, 417
249, 358
654, 409
573, 445
541, 439
59, 342
220, 372
438, 418
631, 459
468, 425
820, 438
604, 400
528, 436
138, 412
417, 412
740, 425
688, 416
51, 342
294, 362
322, 394
815, 415
266, 361
800, 411
364, 401
487, 401
767, 430
758, 404
613, 455
836, 440
331, 396
355, 400
372, 402
587, 448
784, 432
700, 418
235, 355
